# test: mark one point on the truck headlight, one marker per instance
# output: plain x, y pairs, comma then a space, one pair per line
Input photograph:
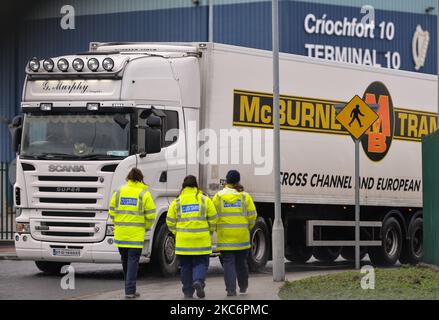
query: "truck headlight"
110, 230
23, 228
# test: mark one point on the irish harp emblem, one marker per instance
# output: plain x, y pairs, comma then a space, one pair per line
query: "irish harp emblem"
421, 40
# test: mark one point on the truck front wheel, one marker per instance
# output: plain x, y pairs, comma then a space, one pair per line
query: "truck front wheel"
50, 267
260, 246
390, 250
164, 255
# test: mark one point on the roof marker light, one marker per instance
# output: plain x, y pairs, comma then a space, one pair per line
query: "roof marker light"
93, 106
45, 106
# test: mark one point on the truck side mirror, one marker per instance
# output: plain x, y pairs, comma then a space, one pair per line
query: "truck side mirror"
153, 141
153, 132
15, 128
154, 121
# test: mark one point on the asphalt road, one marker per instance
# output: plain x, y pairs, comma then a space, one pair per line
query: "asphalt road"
21, 280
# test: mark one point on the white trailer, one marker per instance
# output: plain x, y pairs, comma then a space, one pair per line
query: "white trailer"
202, 109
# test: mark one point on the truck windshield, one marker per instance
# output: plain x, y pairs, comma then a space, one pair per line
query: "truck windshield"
96, 136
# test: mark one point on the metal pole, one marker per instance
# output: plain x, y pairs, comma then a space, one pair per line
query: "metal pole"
210, 21
357, 204
278, 228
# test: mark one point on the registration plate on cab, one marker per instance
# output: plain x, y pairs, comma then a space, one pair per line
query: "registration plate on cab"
66, 252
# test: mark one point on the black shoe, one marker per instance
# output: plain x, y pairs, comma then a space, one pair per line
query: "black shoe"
188, 296
243, 291
132, 296
231, 293
199, 289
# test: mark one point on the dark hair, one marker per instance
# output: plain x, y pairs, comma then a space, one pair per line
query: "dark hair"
135, 175
190, 181
238, 187
232, 178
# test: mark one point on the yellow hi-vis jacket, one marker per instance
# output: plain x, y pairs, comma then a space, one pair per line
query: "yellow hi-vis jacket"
236, 217
133, 212
192, 218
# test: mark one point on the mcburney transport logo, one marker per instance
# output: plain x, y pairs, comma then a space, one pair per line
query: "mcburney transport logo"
308, 114
66, 87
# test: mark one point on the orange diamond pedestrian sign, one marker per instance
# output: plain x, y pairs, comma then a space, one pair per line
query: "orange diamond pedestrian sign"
357, 117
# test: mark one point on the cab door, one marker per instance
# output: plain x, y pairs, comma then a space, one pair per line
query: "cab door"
153, 165
175, 149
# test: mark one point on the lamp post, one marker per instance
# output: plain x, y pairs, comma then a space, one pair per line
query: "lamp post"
278, 228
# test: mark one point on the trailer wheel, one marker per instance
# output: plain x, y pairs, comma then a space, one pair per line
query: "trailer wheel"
390, 250
348, 253
413, 249
50, 267
260, 246
164, 255
327, 254
300, 254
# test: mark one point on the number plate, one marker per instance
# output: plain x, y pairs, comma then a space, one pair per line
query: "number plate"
66, 252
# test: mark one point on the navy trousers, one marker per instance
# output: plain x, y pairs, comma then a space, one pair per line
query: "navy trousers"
235, 268
193, 268
130, 264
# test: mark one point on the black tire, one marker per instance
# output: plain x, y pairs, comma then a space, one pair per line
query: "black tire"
413, 249
260, 246
390, 250
348, 253
300, 254
327, 254
163, 254
51, 267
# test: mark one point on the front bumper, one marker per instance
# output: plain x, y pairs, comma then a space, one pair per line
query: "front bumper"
99, 252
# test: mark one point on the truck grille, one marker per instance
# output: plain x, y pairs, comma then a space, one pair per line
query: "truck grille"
51, 191
73, 214
64, 178
67, 189
66, 200
68, 230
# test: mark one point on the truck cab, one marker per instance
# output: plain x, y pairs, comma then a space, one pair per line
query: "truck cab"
87, 120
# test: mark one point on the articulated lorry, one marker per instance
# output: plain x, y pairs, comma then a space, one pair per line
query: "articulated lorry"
203, 109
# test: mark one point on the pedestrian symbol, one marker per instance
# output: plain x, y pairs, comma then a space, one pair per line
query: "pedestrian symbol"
354, 115
357, 117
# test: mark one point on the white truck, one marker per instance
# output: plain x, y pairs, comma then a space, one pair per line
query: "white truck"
203, 109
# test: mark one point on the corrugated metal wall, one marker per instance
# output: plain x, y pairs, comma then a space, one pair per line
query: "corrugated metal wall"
8, 91
430, 174
239, 22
